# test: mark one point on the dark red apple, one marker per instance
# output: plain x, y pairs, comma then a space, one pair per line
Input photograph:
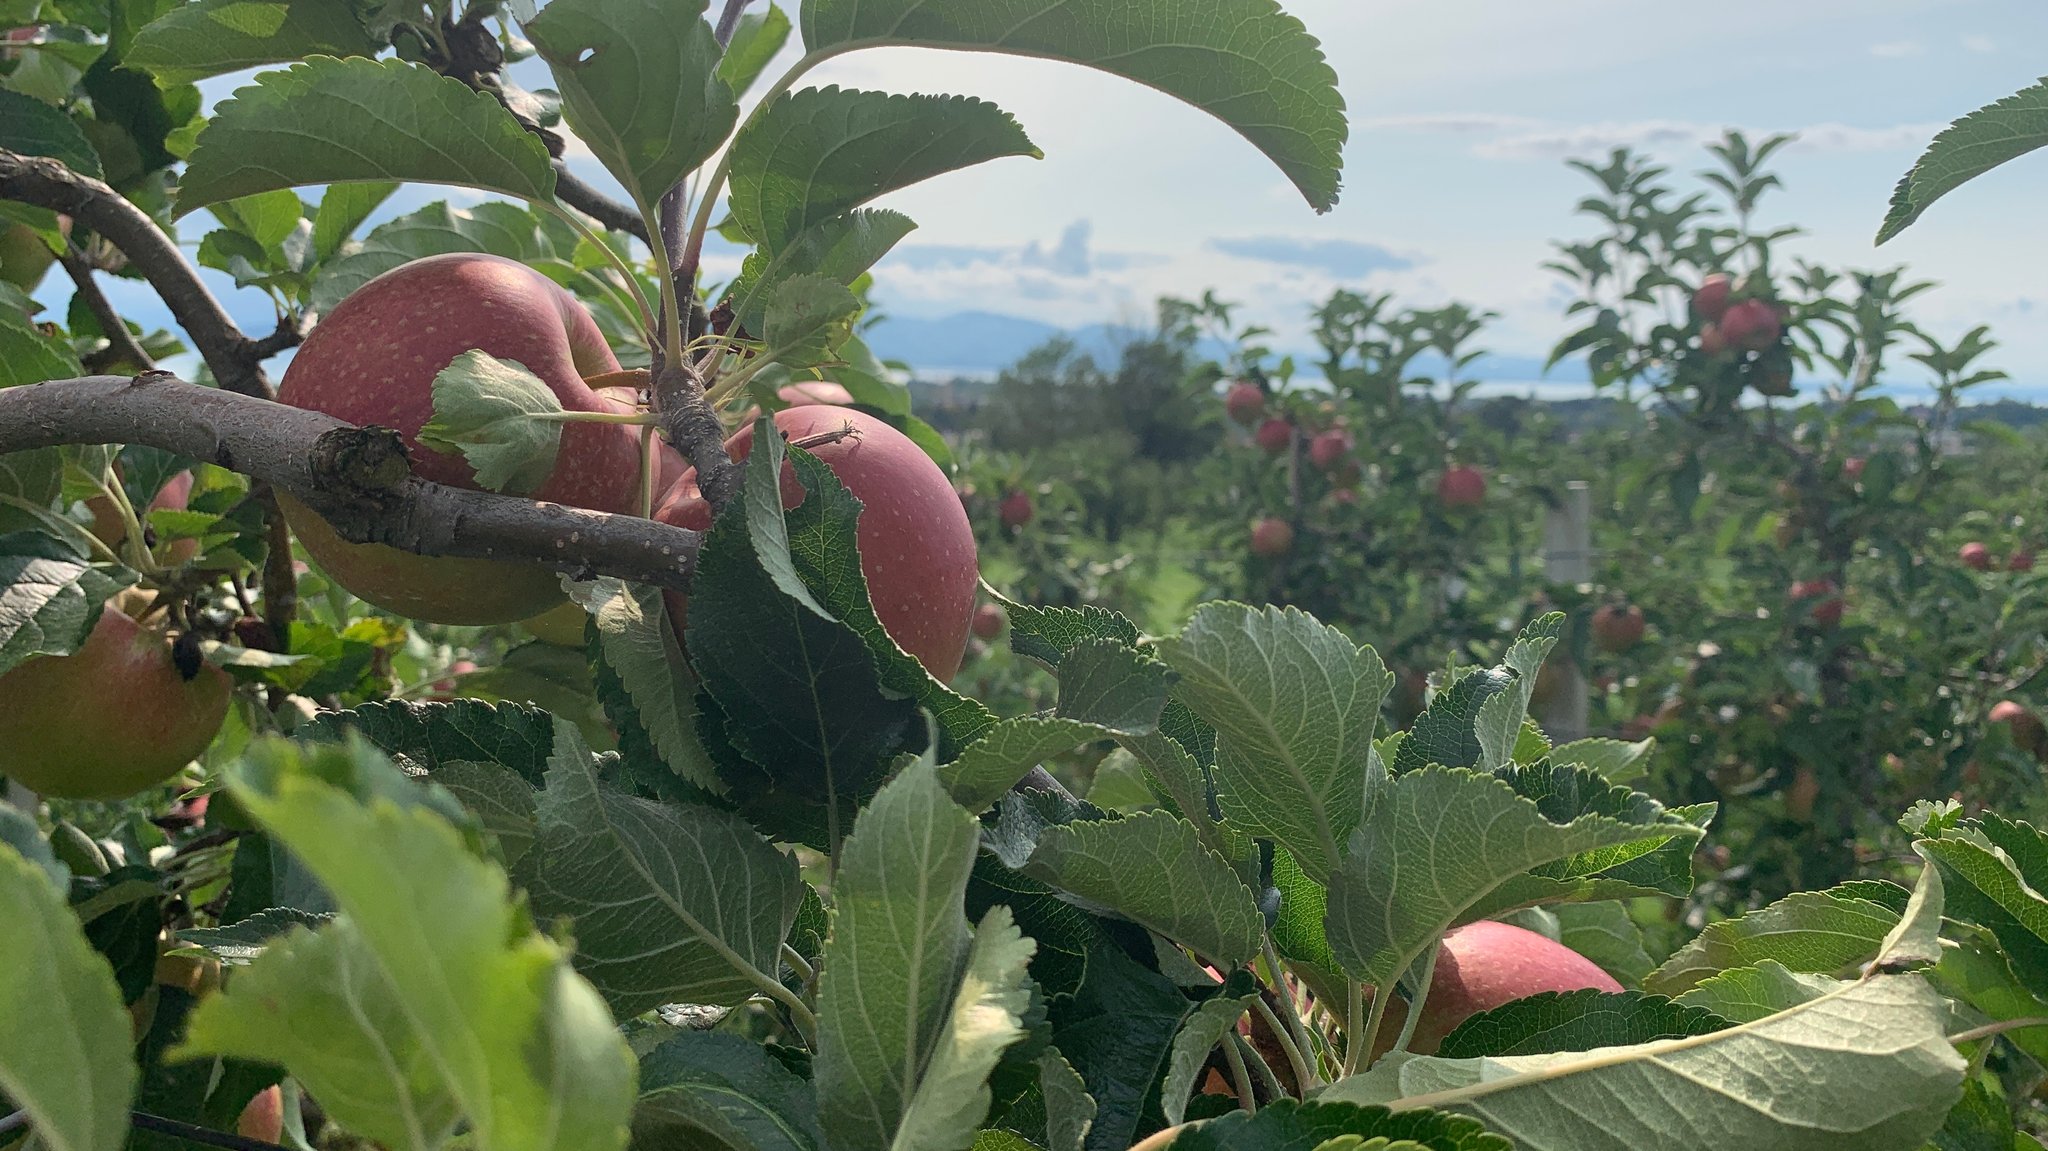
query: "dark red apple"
916, 546
2028, 733
2020, 561
1710, 299
1852, 468
989, 620
1712, 341
1330, 449
112, 718
1245, 401
1752, 325
1975, 556
1016, 509
1461, 487
373, 361
1274, 435
1271, 537
1617, 628
1485, 965
1822, 598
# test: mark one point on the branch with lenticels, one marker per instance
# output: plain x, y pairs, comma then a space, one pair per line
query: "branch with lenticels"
358, 479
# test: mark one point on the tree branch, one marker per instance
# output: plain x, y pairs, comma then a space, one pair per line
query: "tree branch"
358, 479
121, 347
571, 190
47, 183
691, 424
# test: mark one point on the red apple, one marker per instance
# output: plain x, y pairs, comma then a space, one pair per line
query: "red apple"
1485, 965
1975, 556
373, 361
815, 392
916, 546
1271, 538
1710, 299
263, 1118
1712, 341
1823, 600
1346, 497
1330, 449
444, 689
112, 718
1245, 401
1461, 487
1275, 435
1016, 509
1752, 325
1617, 629
989, 620
2028, 733
2020, 561
1852, 468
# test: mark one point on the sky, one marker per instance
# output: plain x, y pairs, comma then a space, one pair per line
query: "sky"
1455, 184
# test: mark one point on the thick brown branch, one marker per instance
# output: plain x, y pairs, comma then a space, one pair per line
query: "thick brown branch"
357, 478
694, 428
49, 184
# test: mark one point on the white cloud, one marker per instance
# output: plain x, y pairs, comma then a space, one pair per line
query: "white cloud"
1897, 49
1525, 138
1980, 44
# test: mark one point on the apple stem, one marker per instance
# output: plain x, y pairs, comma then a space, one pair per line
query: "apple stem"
631, 419
647, 472
1240, 1076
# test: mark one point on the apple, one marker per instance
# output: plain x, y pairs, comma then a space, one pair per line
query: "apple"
1330, 449
1617, 628
445, 688
373, 361
1975, 556
1346, 497
1271, 537
2027, 730
112, 718
1710, 299
815, 392
1245, 401
1275, 435
2020, 561
263, 1118
1485, 965
24, 258
1801, 793
1852, 468
1752, 325
1712, 341
1461, 487
989, 620
1826, 606
107, 525
916, 546
1016, 508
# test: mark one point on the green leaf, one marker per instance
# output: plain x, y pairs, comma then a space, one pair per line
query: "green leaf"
49, 598
640, 647
991, 765
1502, 719
1618, 760
755, 42
27, 356
820, 152
725, 1089
1295, 704
423, 737
1747, 994
839, 249
893, 961
194, 41
1435, 845
1198, 1036
495, 413
1603, 932
808, 317
501, 229
32, 128
1808, 931
64, 1053
1575, 1021
672, 903
952, 1096
1995, 869
327, 121
1864, 1067
432, 998
1151, 869
244, 940
1966, 149
1447, 732
1333, 1126
342, 210
640, 84
1069, 1109
1245, 62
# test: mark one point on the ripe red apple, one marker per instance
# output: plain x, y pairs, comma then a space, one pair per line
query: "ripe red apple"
373, 361
1274, 435
1245, 401
444, 689
1016, 509
1346, 497
1461, 487
1330, 449
1975, 556
989, 620
1852, 468
2020, 561
107, 525
2028, 733
1712, 340
1823, 600
1752, 325
1617, 629
916, 546
263, 1118
1485, 965
1710, 299
112, 718
1271, 538
815, 392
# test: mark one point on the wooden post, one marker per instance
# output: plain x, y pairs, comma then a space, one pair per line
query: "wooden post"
1568, 559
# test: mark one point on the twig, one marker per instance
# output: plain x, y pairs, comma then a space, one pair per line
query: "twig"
49, 184
729, 22
205, 1136
571, 189
696, 431
358, 479
290, 333
121, 343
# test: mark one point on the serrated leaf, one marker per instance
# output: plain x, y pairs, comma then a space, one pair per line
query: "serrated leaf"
807, 318
1984, 139
1150, 868
1994, 869
755, 42
1603, 932
64, 1053
1808, 931
502, 803
1447, 731
839, 249
432, 998
821, 152
1069, 1109
1747, 994
640, 647
893, 960
49, 598
1198, 1036
706, 1085
27, 356
1619, 761
1245, 62
1114, 686
1865, 1067
640, 84
1295, 705
1433, 848
193, 41
495, 413
991, 765
245, 939
343, 208
672, 903
1575, 1021
952, 1096
30, 127
327, 121
497, 228
422, 737
1503, 718
1325, 1124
